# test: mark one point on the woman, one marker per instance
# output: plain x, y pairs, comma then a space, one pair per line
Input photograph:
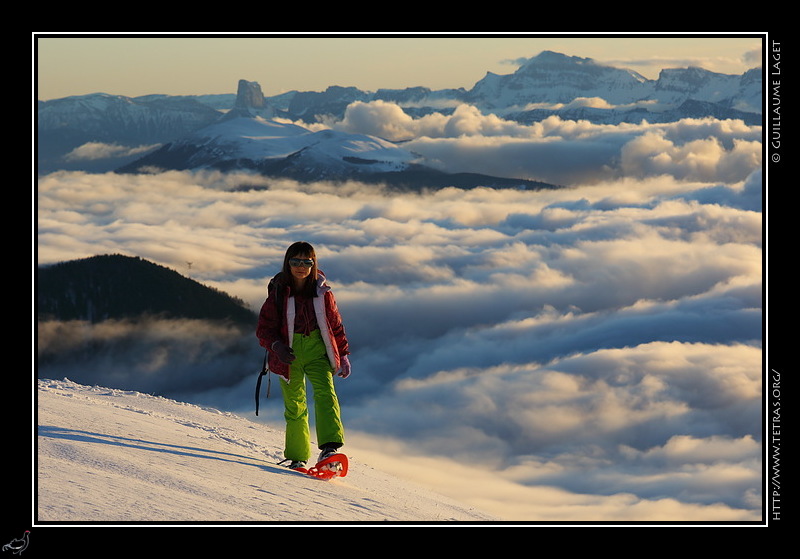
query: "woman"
301, 327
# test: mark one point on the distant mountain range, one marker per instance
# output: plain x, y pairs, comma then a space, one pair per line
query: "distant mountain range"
238, 131
241, 140
120, 287
557, 79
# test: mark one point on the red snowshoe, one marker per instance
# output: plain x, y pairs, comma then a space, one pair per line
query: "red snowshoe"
333, 466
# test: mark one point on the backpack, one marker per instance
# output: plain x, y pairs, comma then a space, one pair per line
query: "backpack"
264, 368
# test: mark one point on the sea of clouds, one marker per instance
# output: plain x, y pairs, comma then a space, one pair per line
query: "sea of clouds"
602, 340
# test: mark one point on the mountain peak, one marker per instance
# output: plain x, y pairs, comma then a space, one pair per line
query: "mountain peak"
549, 57
249, 95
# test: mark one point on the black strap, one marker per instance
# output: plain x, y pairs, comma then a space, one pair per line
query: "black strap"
264, 371
273, 284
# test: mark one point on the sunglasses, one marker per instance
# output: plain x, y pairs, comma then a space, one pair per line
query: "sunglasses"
299, 262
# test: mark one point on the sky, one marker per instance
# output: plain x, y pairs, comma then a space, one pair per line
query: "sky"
179, 65
598, 347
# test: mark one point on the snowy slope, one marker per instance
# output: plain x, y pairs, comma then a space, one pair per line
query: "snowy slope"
110, 456
278, 148
258, 138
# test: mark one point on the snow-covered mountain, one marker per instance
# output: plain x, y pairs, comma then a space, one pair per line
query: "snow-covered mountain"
560, 81
62, 125
143, 119
244, 141
116, 456
554, 78
548, 84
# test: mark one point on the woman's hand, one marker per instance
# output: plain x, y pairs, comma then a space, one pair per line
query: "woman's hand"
283, 352
344, 372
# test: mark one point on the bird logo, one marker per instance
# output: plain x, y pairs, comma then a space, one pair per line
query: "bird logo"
18, 545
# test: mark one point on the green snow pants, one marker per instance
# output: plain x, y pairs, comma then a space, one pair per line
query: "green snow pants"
312, 363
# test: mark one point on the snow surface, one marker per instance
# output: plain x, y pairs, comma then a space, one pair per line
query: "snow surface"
257, 138
115, 456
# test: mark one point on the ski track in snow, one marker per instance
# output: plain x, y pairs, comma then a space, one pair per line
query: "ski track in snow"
116, 456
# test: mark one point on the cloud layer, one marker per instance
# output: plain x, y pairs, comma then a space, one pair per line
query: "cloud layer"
596, 347
566, 152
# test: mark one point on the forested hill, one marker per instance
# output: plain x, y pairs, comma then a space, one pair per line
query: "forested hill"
123, 287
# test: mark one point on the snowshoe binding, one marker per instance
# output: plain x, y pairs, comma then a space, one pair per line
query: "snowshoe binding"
296, 465
334, 465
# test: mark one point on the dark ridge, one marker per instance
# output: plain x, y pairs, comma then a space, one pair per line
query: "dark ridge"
107, 287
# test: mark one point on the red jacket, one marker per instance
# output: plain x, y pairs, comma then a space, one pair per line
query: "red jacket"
273, 327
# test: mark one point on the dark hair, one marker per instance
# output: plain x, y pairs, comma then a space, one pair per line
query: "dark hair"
296, 249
